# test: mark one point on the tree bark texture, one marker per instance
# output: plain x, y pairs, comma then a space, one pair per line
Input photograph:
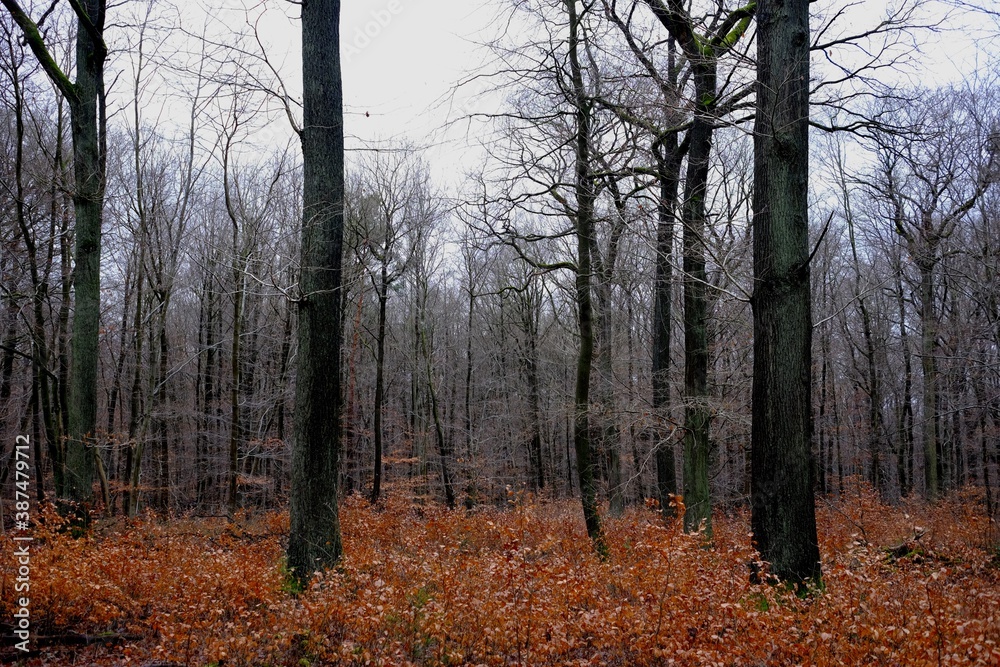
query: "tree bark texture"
783, 516
314, 540
584, 187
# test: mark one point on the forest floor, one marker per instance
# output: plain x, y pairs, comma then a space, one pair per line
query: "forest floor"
903, 585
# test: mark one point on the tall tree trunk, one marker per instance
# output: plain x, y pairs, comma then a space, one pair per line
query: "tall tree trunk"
609, 449
668, 162
383, 297
534, 397
88, 200
876, 428
928, 364
471, 492
584, 187
236, 370
41, 397
87, 117
783, 514
697, 415
133, 454
159, 403
444, 449
904, 419
314, 540
703, 52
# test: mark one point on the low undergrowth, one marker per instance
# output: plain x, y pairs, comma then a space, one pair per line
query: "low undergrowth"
903, 585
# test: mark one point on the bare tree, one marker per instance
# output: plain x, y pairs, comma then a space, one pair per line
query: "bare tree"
783, 517
929, 179
314, 541
85, 96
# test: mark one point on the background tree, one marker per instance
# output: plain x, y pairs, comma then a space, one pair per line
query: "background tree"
703, 53
85, 96
930, 176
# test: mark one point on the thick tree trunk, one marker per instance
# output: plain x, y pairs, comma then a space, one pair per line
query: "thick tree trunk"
88, 201
783, 516
314, 540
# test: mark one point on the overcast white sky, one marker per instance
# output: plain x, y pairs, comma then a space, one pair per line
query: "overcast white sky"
400, 62
402, 58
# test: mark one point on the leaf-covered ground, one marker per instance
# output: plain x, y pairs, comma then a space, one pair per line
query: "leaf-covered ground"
906, 585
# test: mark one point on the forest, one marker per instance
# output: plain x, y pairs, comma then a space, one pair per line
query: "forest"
676, 343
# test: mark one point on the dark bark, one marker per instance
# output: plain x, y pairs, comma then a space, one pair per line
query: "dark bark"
383, 297
783, 515
314, 540
534, 397
703, 53
876, 427
85, 99
668, 161
928, 364
584, 187
697, 415
605, 268
904, 419
236, 360
443, 446
88, 201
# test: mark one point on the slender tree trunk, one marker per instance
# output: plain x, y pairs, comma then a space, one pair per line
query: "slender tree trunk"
783, 517
116, 381
534, 397
471, 493
314, 540
444, 450
703, 53
985, 454
236, 370
609, 449
161, 451
584, 187
133, 454
928, 364
668, 162
697, 415
876, 427
904, 422
41, 389
383, 297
